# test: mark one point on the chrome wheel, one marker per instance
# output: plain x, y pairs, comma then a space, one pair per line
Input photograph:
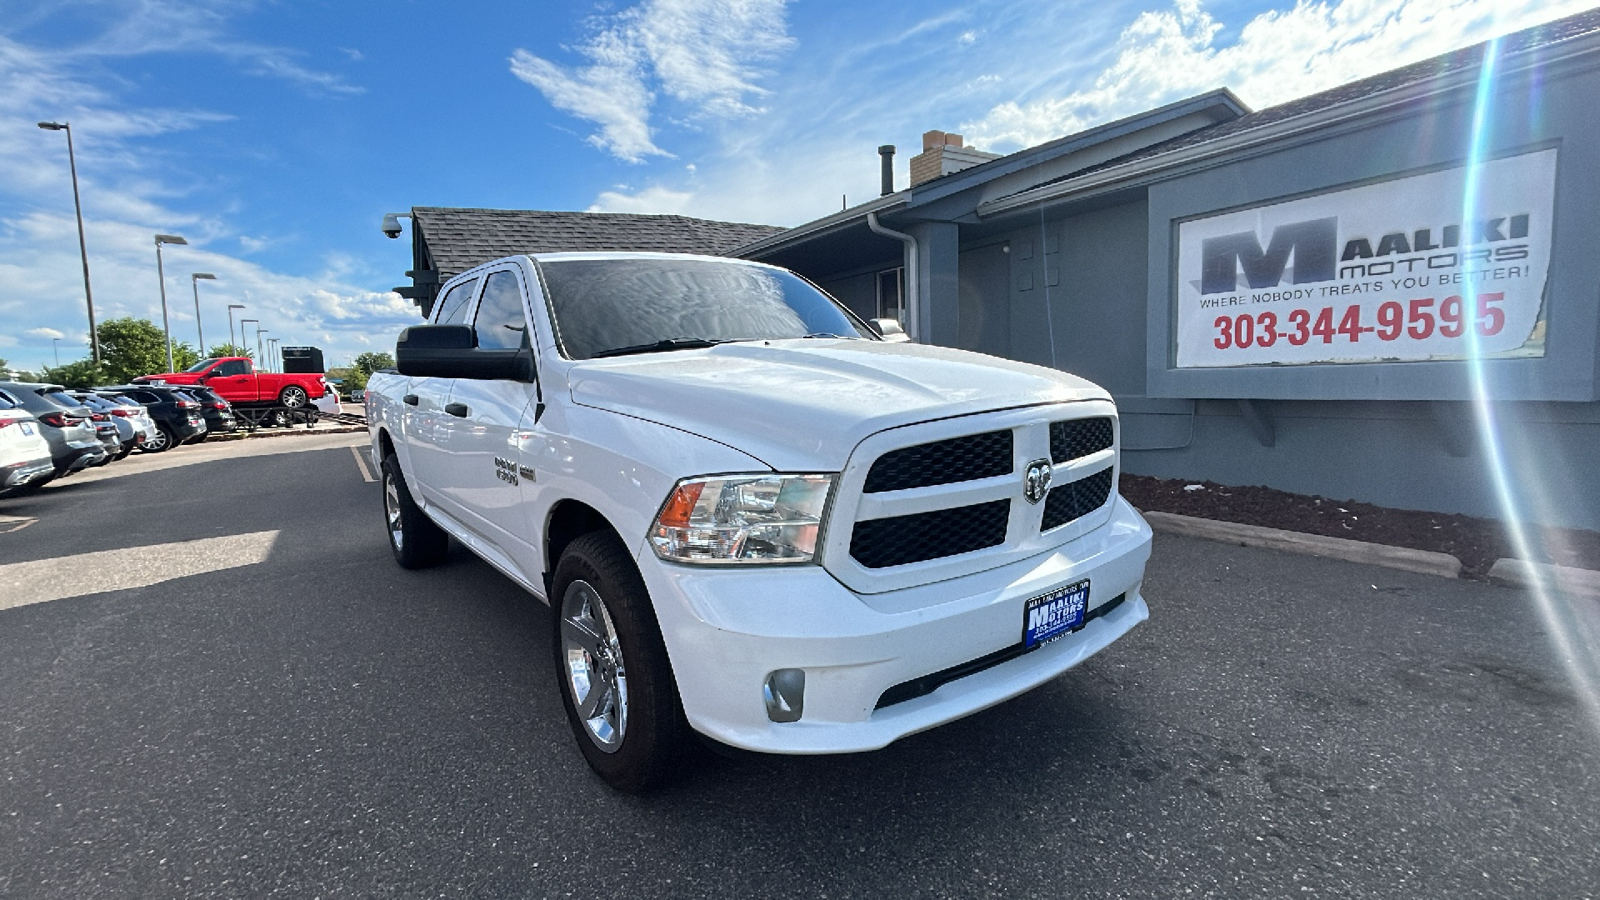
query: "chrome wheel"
293, 397
391, 512
157, 443
595, 674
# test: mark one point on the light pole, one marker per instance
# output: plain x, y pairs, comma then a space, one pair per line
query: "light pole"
259, 332
194, 279
242, 335
231, 308
272, 353
55, 345
162, 274
83, 247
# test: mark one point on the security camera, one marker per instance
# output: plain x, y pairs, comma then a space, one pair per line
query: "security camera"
391, 224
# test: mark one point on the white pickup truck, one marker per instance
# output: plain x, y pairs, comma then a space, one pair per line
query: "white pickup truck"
753, 517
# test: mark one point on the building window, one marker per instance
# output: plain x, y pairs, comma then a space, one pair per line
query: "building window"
891, 294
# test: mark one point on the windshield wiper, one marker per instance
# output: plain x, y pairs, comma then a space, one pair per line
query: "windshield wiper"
829, 334
686, 343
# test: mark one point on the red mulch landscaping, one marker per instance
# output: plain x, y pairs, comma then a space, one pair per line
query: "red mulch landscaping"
1476, 542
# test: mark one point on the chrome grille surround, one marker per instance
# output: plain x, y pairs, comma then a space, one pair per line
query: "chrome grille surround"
1024, 535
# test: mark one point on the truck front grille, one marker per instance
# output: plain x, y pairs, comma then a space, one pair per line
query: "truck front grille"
1074, 438
965, 458
1076, 499
899, 540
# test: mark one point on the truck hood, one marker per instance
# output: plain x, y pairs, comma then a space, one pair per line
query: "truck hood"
169, 378
802, 405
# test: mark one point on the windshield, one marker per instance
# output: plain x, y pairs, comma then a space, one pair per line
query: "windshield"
663, 304
200, 366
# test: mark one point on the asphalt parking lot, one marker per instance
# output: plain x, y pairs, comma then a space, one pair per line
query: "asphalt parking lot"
282, 712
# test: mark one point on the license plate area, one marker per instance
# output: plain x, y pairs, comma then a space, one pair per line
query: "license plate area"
1054, 614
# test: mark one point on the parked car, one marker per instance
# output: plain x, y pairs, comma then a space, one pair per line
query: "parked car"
129, 436
126, 408
236, 379
217, 412
25, 461
69, 430
176, 414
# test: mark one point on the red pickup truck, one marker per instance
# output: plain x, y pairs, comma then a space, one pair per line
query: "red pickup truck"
235, 378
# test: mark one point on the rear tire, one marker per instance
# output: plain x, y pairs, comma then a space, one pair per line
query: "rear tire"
294, 396
615, 679
164, 440
417, 543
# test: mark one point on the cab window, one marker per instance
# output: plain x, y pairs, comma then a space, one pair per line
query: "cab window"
501, 324
453, 305
233, 367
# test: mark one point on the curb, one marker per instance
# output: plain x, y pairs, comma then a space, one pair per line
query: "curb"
1425, 562
1565, 579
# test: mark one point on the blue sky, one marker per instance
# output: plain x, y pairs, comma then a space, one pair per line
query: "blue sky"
274, 135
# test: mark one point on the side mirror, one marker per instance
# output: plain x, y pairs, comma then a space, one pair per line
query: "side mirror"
889, 330
451, 351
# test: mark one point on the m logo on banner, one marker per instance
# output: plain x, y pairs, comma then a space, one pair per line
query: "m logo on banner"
1314, 244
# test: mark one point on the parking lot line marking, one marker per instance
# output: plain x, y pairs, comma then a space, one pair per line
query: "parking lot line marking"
81, 574
361, 463
9, 524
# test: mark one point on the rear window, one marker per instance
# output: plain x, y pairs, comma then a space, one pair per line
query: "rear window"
61, 399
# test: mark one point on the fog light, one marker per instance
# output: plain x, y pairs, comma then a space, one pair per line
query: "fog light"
785, 693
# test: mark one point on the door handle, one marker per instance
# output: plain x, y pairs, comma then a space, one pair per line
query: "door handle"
459, 410
409, 399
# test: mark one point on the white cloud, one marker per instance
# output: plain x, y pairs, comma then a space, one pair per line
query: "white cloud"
128, 197
705, 54
654, 200
1278, 56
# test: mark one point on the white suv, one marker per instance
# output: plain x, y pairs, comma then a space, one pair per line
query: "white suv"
753, 517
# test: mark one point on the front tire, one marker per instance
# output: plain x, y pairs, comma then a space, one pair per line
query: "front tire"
615, 679
417, 543
294, 396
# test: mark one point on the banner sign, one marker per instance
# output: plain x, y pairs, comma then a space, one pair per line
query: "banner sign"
1389, 272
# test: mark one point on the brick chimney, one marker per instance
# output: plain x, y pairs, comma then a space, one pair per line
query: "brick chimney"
943, 153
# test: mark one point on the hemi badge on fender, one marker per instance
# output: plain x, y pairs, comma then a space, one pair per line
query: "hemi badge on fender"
526, 472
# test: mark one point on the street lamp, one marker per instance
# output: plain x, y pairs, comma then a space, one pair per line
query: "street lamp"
231, 308
259, 332
242, 336
162, 274
194, 280
272, 353
83, 247
55, 345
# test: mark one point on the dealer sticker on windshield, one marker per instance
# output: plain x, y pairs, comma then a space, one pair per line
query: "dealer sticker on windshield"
1049, 616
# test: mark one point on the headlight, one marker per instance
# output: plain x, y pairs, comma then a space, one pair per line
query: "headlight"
742, 519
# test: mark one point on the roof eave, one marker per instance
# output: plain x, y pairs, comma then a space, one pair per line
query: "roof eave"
836, 221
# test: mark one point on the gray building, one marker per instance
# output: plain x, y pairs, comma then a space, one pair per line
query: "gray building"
1327, 296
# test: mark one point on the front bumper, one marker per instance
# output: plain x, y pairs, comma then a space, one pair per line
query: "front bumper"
727, 629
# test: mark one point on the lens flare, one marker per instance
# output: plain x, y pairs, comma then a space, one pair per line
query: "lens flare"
1517, 490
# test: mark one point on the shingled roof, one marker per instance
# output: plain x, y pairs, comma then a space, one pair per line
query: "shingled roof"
458, 239
1469, 58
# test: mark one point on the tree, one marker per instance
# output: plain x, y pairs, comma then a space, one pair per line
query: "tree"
229, 350
365, 365
85, 373
132, 347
